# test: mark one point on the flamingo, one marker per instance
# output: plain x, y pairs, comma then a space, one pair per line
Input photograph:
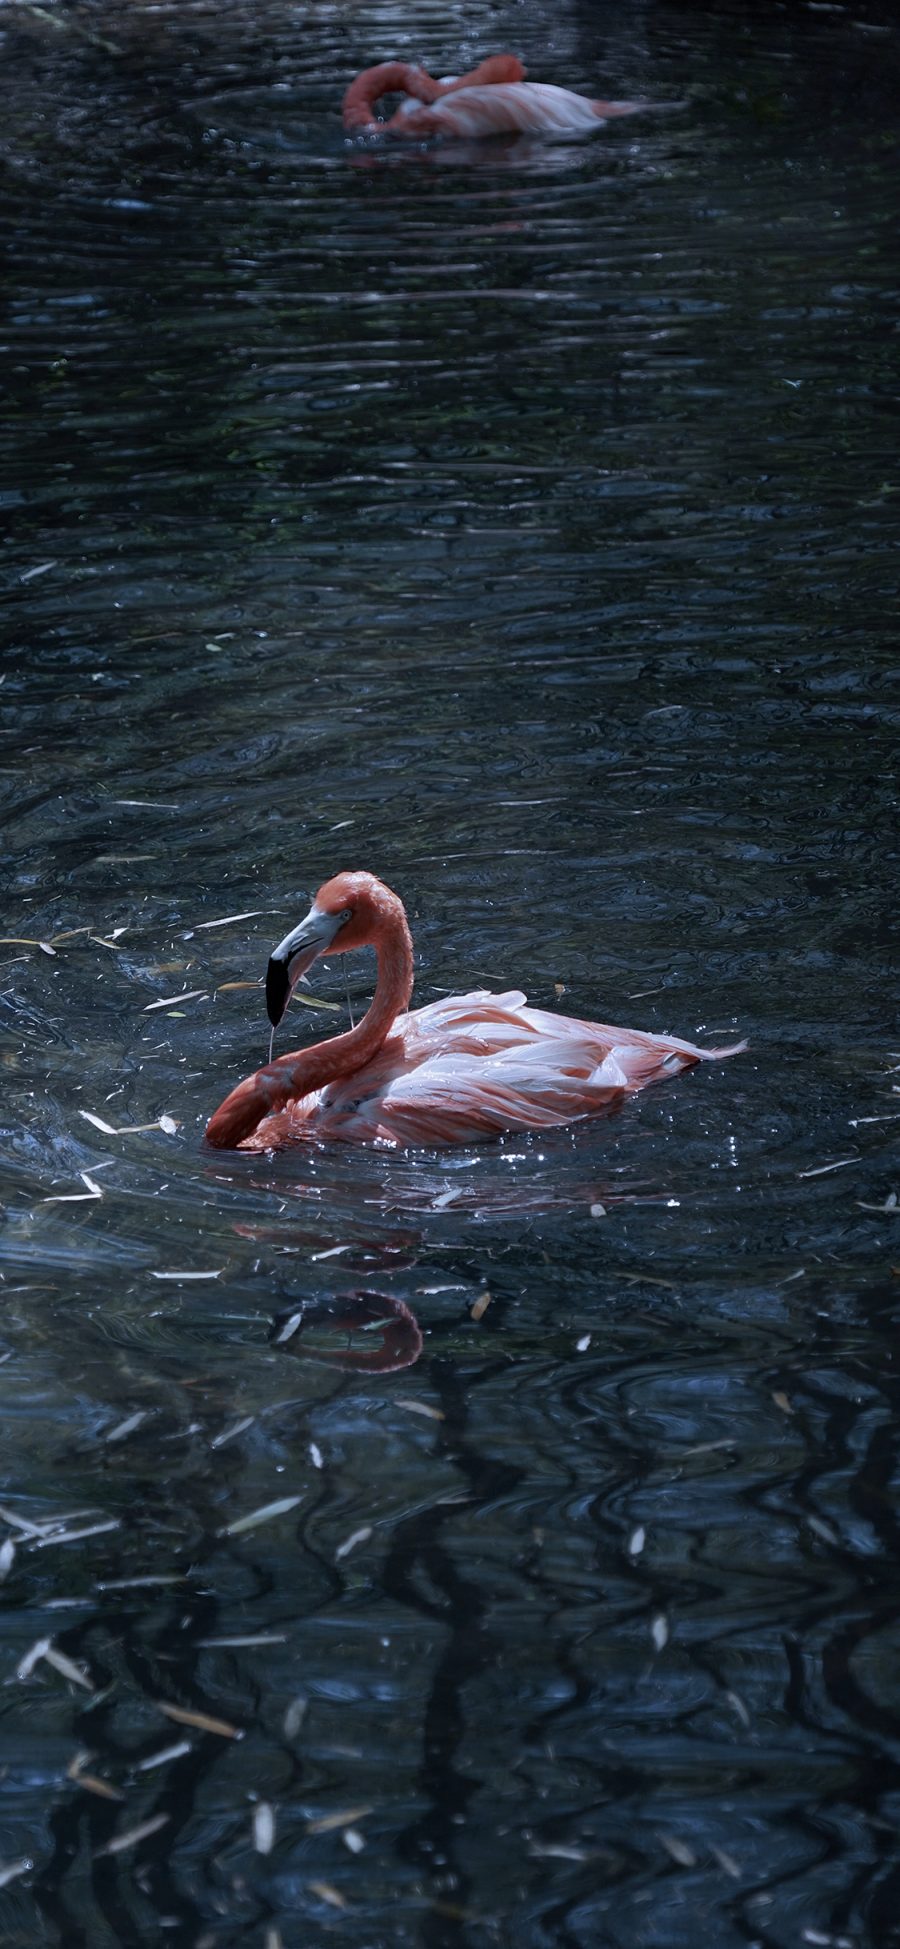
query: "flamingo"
494, 99
459, 1070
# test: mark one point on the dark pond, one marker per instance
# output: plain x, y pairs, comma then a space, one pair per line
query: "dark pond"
518, 521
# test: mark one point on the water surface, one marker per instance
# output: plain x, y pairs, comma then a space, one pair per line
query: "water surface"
518, 521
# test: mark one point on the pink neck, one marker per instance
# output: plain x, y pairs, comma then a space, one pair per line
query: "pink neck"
393, 77
342, 1055
389, 77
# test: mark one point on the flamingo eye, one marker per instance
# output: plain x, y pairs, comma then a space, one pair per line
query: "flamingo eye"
345, 916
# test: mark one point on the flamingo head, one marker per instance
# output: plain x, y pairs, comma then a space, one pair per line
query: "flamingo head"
348, 911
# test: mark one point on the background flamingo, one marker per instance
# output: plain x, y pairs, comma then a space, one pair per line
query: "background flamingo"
494, 99
460, 1069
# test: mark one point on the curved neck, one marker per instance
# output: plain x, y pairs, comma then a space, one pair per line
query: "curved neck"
342, 1055
393, 77
389, 77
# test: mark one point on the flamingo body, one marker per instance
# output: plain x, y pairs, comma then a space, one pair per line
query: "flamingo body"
494, 99
457, 1071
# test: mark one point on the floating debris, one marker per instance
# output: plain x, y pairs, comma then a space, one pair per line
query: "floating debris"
77, 1535
134, 1836
226, 920
231, 1434
636, 1540
289, 1328
659, 1632
557, 1851
598, 1211
90, 1781
316, 1456
294, 1716
679, 1850
108, 1129
266, 1514
332, 1252
11, 1870
327, 1893
217, 1274
824, 1530
420, 1407
478, 1310
32, 1657
7, 1558
782, 1401
51, 1526
738, 1706
174, 1001
164, 1756
263, 1827
358, 1536
139, 1583
726, 1862
581, 1346
258, 1637
327, 1823
21, 1522
165, 1123
67, 1668
201, 1721
820, 1170
890, 1208
94, 1190
44, 1648
127, 1427
353, 1840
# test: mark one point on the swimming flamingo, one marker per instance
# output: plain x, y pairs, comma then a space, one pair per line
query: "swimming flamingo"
460, 1069
494, 99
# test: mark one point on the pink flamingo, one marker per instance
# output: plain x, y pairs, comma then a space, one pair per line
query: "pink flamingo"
494, 99
458, 1070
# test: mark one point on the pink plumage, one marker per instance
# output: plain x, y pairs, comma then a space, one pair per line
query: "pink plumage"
454, 1072
494, 99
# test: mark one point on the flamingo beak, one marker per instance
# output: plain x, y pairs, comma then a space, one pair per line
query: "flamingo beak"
291, 958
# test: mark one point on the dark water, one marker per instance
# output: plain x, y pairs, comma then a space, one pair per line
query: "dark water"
519, 522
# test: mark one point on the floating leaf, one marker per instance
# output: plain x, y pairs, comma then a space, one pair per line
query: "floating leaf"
201, 1721
679, 1850
327, 1893
659, 1632
358, 1536
127, 1427
134, 1835
171, 1001
263, 1828
420, 1407
328, 1822
266, 1514
164, 1756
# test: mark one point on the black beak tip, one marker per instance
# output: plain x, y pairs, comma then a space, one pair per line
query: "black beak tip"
278, 990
